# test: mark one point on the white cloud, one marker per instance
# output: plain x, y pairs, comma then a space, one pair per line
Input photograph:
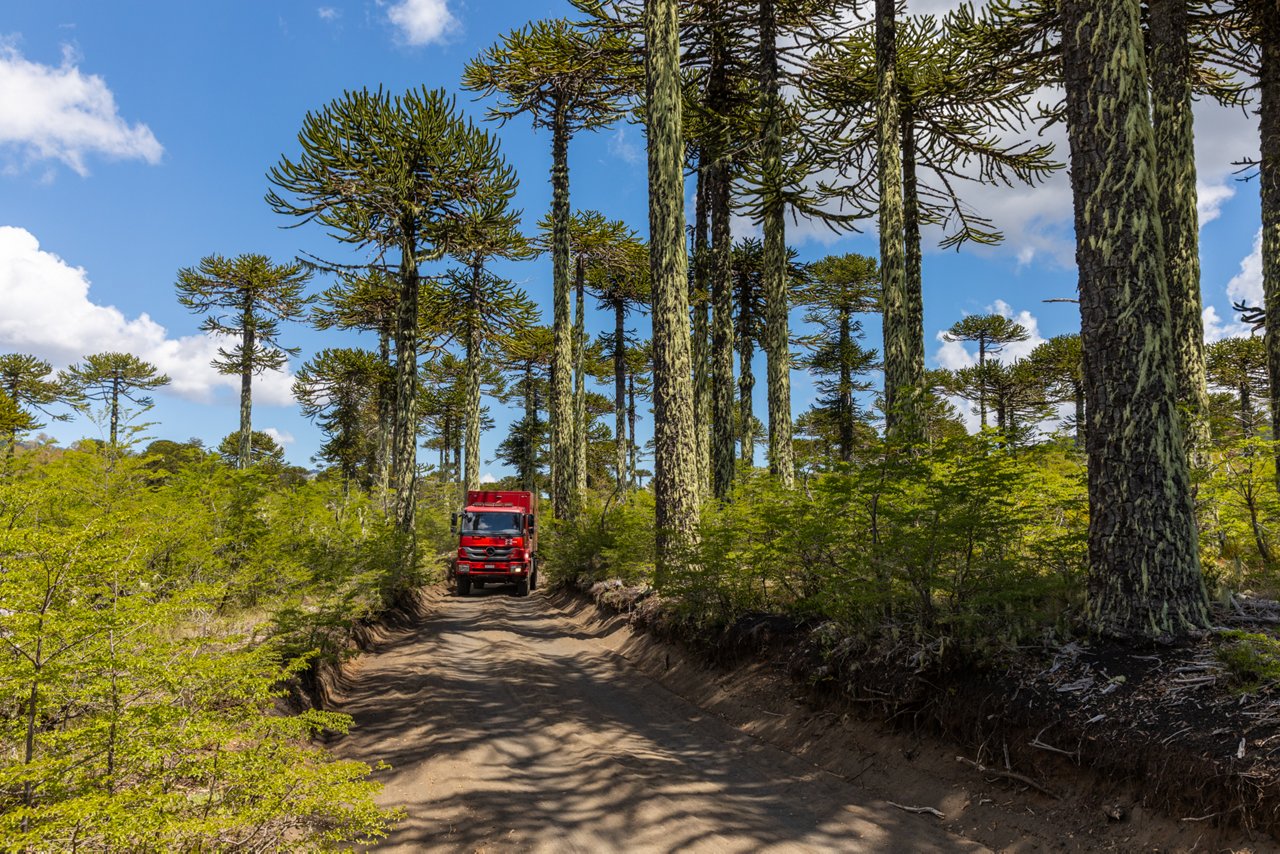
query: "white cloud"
1247, 284
1209, 200
328, 13
49, 113
49, 312
488, 478
422, 22
624, 148
1216, 328
283, 438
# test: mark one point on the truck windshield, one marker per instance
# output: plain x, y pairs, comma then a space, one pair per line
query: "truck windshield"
491, 523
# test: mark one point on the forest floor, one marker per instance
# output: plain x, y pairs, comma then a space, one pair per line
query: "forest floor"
553, 723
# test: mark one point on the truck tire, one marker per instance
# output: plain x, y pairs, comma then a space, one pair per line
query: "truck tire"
533, 574
522, 587
464, 586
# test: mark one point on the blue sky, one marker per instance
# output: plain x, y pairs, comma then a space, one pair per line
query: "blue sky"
134, 140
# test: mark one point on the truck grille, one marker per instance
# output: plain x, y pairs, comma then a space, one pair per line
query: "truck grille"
488, 552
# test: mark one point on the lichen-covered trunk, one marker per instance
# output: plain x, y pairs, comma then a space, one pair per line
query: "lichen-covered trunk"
620, 393
529, 455
471, 442
844, 399
903, 347
115, 408
913, 281
563, 478
1172, 125
746, 375
675, 479
247, 342
404, 444
1269, 129
632, 447
579, 384
386, 411
719, 191
777, 336
700, 294
1144, 569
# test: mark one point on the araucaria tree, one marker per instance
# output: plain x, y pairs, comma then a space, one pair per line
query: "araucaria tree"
1144, 569
28, 387
339, 390
108, 377
390, 173
991, 332
245, 298
675, 480
567, 80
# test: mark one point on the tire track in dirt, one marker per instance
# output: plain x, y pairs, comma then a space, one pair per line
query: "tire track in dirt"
508, 726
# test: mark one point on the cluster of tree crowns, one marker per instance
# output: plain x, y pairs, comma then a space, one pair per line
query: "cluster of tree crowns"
838, 111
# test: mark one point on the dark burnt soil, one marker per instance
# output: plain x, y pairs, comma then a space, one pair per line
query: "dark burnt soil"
1113, 730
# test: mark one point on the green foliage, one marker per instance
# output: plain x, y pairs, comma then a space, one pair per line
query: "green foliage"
1252, 660
154, 608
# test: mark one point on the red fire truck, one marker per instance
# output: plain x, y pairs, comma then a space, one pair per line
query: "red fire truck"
498, 541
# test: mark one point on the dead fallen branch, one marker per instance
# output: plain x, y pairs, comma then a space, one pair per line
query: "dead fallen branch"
929, 810
1007, 775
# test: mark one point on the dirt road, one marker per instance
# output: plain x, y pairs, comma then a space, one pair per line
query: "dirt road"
511, 727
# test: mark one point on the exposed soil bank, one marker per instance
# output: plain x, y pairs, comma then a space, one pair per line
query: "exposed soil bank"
1102, 748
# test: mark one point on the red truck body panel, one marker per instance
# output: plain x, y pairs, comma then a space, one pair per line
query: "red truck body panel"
498, 538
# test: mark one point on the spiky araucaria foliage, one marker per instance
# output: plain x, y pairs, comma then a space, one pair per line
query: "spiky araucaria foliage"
107, 378
528, 354
1060, 363
1240, 364
1144, 567
991, 332
246, 297
836, 290
390, 173
566, 79
338, 389
28, 387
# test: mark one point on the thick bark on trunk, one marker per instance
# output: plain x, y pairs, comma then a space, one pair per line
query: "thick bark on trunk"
675, 478
620, 393
1144, 570
562, 456
247, 342
632, 447
1172, 125
746, 375
701, 330
579, 384
386, 408
903, 369
529, 470
471, 475
404, 443
719, 192
913, 290
777, 336
844, 410
1269, 128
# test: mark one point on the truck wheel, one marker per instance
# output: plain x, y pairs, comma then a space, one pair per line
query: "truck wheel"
522, 587
533, 577
464, 586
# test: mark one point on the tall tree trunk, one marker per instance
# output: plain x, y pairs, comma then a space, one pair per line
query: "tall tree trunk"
386, 409
563, 479
1269, 129
632, 446
903, 348
675, 478
529, 461
777, 337
404, 444
1172, 124
844, 407
719, 191
1144, 569
701, 329
115, 407
471, 476
747, 322
620, 392
579, 384
247, 343
913, 292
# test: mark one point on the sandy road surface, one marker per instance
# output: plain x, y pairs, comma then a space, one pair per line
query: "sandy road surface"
510, 728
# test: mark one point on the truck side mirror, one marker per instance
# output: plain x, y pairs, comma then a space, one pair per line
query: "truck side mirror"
453, 523
532, 523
